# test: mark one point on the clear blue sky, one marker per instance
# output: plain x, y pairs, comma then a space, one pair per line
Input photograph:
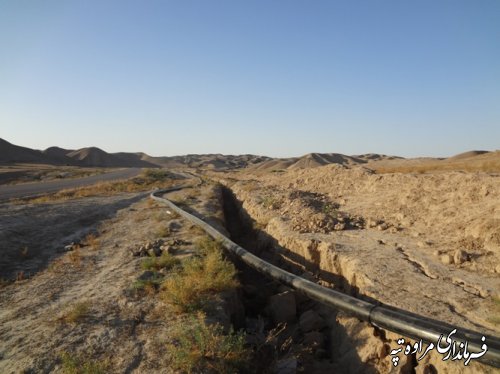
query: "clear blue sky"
279, 78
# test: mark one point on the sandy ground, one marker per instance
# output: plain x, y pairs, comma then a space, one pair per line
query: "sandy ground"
413, 225
426, 243
124, 329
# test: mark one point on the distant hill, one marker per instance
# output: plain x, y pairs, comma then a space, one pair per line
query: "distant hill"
312, 160
10, 153
469, 154
96, 157
93, 156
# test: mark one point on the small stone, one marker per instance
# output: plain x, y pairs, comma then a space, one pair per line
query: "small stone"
310, 320
383, 226
135, 252
168, 248
460, 256
339, 226
155, 252
447, 259
380, 241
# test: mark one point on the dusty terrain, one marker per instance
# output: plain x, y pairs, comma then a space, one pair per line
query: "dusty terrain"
73, 289
121, 329
428, 242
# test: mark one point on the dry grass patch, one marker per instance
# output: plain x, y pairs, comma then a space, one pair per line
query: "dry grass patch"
199, 347
163, 232
77, 312
92, 241
75, 256
200, 277
489, 166
77, 364
147, 181
165, 261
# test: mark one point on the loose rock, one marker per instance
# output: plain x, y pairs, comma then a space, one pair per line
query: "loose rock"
310, 320
460, 256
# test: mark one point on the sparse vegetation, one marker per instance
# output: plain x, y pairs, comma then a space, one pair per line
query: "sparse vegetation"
156, 175
76, 364
270, 202
201, 347
198, 278
207, 245
150, 284
330, 209
490, 166
165, 261
75, 257
163, 231
196, 230
151, 178
92, 241
77, 312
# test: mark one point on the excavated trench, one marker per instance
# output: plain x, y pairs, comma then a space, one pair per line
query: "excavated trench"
298, 331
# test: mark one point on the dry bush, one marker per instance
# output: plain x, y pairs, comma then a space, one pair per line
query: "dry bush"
208, 245
92, 241
196, 230
75, 256
165, 261
199, 277
199, 347
20, 276
77, 312
77, 364
163, 232
150, 285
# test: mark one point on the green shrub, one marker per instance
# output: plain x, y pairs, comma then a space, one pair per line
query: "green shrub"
198, 278
73, 364
203, 348
165, 261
